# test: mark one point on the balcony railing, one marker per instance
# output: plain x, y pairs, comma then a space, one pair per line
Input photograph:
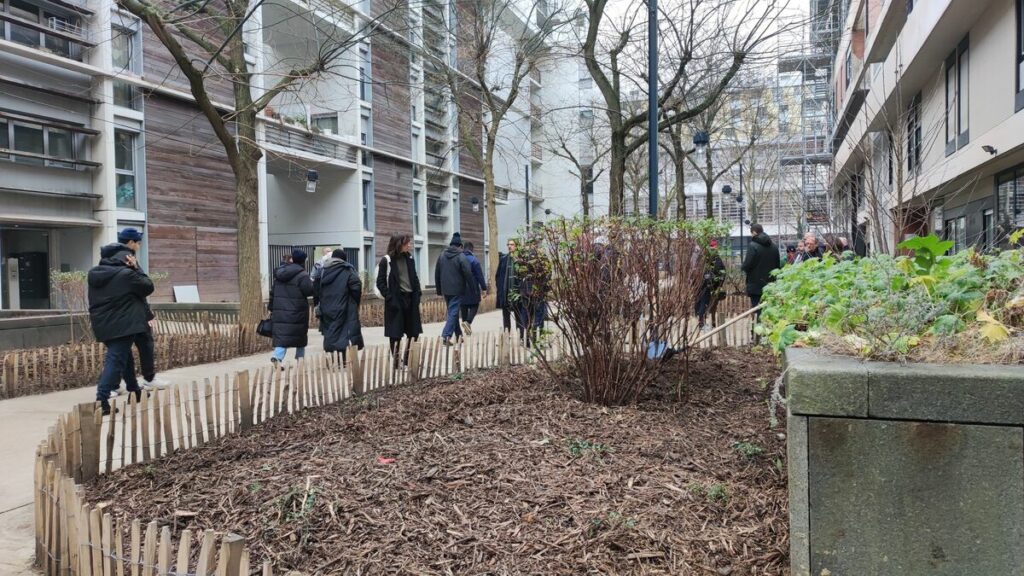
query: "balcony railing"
501, 194
301, 140
536, 190
537, 152
436, 160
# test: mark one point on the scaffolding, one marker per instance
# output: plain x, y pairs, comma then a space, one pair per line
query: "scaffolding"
804, 82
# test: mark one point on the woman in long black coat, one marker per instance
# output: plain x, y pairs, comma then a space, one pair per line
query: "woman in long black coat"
338, 293
399, 284
289, 307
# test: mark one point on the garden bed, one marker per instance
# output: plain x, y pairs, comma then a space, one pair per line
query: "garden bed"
498, 472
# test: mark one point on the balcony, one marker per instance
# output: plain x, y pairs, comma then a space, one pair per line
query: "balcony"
536, 191
301, 140
62, 35
537, 152
500, 194
436, 160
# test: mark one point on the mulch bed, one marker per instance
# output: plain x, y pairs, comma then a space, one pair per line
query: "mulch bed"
499, 472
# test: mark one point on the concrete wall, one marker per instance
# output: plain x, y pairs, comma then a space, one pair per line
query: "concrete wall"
904, 469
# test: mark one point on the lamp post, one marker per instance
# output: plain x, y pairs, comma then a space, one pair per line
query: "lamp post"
652, 106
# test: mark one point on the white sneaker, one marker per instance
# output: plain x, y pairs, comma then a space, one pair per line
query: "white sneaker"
467, 329
156, 384
115, 393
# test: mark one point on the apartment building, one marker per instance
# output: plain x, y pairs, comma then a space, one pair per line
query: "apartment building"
928, 136
98, 131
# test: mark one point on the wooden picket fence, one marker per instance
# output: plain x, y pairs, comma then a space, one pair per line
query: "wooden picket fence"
38, 370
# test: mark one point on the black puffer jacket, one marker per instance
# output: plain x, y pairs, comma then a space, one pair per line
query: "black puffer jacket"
339, 292
452, 273
117, 297
289, 306
762, 258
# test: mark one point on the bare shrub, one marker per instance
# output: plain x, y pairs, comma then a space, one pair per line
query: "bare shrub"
616, 287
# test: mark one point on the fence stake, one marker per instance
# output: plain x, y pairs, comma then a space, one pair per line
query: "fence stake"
90, 434
245, 399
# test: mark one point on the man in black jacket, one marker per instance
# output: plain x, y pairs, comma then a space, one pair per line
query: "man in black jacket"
762, 258
289, 307
506, 285
119, 313
451, 276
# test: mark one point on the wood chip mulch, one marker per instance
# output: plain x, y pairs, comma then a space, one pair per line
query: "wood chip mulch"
497, 472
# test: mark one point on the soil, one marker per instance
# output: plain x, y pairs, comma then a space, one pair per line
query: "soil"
497, 472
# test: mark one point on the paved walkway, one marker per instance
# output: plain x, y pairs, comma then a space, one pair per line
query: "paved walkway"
24, 422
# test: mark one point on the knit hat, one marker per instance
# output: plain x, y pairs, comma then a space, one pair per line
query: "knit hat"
298, 256
128, 235
456, 240
339, 254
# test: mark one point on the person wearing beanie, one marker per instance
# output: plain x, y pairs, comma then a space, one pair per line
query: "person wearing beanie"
289, 308
451, 276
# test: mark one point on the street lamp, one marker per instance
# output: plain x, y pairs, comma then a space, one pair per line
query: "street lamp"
727, 190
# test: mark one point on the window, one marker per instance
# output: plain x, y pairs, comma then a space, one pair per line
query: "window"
914, 134
1020, 56
988, 229
368, 259
1010, 201
586, 83
956, 230
456, 213
416, 213
328, 123
5, 139
124, 168
60, 144
29, 138
60, 42
957, 86
367, 204
848, 67
123, 46
588, 176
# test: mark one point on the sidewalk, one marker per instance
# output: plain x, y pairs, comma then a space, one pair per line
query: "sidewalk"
24, 422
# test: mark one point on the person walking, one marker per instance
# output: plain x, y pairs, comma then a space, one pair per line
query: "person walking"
471, 299
452, 274
318, 267
119, 314
711, 285
338, 292
289, 308
762, 258
505, 285
399, 285
130, 240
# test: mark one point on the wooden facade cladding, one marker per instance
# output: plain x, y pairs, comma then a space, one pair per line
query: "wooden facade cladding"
190, 202
392, 199
392, 108
470, 113
160, 68
472, 223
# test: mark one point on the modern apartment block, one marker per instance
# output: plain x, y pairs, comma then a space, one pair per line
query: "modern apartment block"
98, 131
929, 132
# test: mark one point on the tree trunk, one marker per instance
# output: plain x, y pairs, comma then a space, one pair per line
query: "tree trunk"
250, 285
616, 174
709, 200
584, 201
681, 187
492, 217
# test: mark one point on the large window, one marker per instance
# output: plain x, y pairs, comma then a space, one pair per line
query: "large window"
367, 205
956, 230
31, 26
124, 167
957, 94
416, 212
40, 145
1009, 202
914, 134
125, 61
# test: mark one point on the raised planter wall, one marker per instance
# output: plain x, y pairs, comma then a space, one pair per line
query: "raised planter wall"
904, 469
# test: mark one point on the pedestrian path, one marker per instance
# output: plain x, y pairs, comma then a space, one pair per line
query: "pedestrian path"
24, 422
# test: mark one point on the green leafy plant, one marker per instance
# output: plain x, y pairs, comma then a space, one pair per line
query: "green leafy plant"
749, 450
892, 308
579, 447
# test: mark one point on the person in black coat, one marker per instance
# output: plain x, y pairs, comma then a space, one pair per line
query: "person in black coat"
118, 313
506, 284
452, 274
471, 298
289, 307
762, 258
399, 285
338, 291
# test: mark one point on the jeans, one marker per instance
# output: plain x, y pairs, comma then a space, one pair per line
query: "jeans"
451, 325
116, 364
469, 312
280, 352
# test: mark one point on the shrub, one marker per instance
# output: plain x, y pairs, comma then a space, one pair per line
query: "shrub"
965, 306
615, 286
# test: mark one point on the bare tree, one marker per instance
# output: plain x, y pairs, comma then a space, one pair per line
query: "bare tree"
704, 44
499, 48
207, 43
579, 139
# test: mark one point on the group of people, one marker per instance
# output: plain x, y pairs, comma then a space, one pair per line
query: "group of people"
122, 319
809, 248
336, 290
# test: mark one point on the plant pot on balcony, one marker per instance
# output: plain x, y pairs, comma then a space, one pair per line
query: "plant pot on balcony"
904, 469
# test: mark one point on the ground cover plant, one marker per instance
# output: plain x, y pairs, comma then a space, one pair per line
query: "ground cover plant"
925, 306
496, 472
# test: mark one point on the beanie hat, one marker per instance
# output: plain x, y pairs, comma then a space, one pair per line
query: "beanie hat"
339, 254
456, 240
128, 235
298, 256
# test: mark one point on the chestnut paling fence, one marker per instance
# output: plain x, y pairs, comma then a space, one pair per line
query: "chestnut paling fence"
76, 537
